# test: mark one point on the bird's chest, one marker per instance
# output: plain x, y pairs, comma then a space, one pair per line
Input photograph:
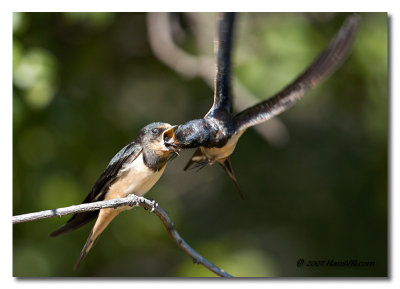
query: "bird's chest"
215, 154
135, 178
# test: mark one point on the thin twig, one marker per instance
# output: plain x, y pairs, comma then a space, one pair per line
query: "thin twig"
131, 200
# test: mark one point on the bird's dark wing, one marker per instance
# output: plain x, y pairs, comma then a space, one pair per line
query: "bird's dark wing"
325, 64
100, 188
222, 81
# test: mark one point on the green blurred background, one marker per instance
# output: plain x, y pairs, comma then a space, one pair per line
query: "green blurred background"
85, 83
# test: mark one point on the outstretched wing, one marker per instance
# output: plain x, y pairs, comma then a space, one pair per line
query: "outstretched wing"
222, 81
325, 64
100, 188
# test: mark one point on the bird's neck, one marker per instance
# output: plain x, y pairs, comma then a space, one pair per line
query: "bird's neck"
155, 160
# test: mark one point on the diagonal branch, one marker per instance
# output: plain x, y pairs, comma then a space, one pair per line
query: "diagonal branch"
131, 200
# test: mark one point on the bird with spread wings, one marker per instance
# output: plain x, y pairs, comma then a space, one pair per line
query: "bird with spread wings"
215, 136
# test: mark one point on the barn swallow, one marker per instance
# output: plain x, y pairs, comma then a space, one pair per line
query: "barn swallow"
133, 170
217, 134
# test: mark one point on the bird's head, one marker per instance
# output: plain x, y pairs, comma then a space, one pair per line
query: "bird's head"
194, 133
155, 136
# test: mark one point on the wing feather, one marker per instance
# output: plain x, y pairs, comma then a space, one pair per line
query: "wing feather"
222, 81
100, 188
324, 65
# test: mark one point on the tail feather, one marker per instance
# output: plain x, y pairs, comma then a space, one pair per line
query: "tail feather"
199, 161
76, 221
90, 242
226, 164
105, 217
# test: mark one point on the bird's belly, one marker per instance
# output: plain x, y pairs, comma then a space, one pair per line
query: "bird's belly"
136, 179
215, 154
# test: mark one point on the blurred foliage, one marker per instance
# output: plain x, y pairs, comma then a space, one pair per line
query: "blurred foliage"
85, 83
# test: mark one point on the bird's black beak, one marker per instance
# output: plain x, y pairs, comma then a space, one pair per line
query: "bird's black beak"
169, 139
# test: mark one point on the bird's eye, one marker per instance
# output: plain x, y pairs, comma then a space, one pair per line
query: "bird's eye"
154, 130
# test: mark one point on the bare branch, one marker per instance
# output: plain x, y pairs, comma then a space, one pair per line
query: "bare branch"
131, 200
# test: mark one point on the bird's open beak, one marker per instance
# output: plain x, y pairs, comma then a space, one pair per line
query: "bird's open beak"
169, 139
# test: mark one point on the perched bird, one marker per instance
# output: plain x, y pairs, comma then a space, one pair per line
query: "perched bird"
217, 134
133, 170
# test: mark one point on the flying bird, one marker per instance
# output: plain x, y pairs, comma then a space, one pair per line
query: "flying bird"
133, 170
217, 134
